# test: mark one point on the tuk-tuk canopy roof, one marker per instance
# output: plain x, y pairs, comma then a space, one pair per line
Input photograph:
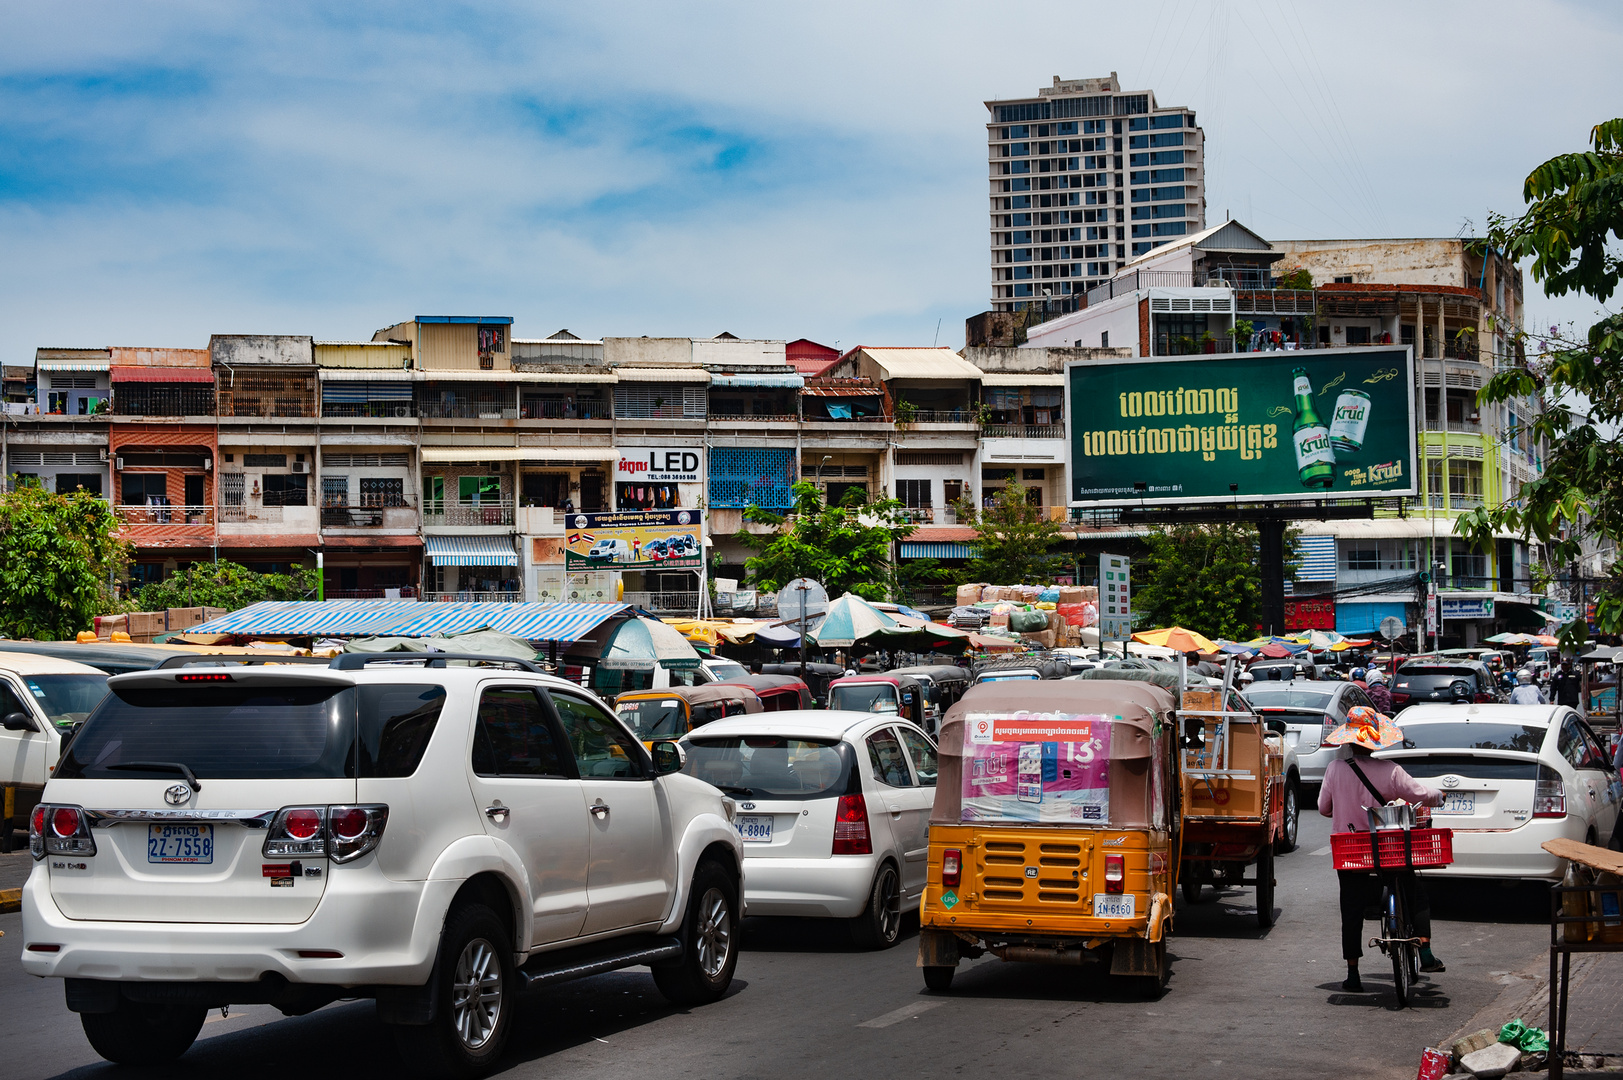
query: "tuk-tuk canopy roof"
703, 694
1134, 706
936, 672
765, 682
891, 678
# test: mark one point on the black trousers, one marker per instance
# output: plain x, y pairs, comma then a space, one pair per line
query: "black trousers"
1361, 890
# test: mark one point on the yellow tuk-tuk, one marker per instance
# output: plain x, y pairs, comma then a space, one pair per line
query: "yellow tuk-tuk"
673, 712
1053, 838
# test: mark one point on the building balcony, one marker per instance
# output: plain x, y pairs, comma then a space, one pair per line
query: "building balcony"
397, 592
183, 517
382, 512
474, 596
931, 515
1023, 431
673, 603
458, 514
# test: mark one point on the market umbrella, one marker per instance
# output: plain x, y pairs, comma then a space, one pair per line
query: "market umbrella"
1547, 639
1178, 639
851, 620
992, 642
1237, 648
1275, 651
1510, 638
640, 644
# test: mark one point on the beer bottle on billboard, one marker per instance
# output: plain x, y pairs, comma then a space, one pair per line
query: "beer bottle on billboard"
1315, 460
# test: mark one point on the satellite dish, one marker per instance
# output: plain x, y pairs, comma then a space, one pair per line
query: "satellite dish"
801, 599
1391, 627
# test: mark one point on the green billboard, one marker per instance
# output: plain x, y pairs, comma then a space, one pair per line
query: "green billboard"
1309, 424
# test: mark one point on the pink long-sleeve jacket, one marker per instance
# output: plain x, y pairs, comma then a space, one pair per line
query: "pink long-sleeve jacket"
1343, 798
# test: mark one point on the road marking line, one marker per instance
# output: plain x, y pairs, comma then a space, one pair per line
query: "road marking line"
1321, 851
906, 1012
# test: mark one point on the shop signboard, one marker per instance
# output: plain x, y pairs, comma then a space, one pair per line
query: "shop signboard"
658, 464
553, 585
1115, 598
1242, 427
1036, 766
1315, 614
1467, 607
634, 540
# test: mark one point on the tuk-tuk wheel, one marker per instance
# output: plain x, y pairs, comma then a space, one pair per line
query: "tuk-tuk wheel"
938, 978
1192, 892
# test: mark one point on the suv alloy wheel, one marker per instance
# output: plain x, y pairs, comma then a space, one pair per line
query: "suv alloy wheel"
475, 999
709, 938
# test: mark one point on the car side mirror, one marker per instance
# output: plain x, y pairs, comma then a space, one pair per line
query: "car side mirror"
669, 757
1194, 732
19, 721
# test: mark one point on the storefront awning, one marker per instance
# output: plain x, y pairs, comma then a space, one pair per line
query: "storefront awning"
929, 550
163, 374
637, 375
1022, 378
850, 390
389, 374
411, 618
357, 393
452, 455
469, 551
790, 381
80, 365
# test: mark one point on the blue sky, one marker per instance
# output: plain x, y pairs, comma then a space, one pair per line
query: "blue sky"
169, 170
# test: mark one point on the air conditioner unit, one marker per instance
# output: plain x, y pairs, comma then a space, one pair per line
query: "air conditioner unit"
118, 463
208, 464
301, 466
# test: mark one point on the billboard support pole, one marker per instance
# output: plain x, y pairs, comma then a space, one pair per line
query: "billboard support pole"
1271, 561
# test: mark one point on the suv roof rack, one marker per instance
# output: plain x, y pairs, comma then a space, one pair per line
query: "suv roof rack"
236, 660
358, 661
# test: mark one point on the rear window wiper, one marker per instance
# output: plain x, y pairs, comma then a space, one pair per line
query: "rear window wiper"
732, 789
160, 766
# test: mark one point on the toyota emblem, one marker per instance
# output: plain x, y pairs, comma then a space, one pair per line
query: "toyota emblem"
175, 794
1451, 781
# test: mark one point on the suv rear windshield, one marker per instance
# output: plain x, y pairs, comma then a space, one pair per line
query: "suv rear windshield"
1437, 671
258, 732
770, 766
1306, 700
1473, 735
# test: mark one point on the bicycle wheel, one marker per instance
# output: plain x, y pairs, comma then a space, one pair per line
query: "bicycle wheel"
1394, 929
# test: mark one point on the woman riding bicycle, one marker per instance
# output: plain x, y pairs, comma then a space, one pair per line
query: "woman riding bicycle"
1354, 782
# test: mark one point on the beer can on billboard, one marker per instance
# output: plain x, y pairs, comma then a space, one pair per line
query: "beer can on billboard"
1349, 422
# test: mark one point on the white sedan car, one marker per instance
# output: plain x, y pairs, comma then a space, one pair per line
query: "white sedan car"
834, 810
1512, 776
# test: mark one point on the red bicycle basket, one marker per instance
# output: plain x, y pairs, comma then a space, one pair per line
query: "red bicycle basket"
1428, 848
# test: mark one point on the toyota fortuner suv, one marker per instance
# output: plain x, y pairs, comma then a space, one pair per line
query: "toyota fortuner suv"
436, 838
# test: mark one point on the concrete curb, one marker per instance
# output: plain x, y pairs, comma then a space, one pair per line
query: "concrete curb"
1526, 995
11, 900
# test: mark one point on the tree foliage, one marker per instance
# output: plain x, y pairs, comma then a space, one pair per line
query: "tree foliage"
59, 555
1574, 213
1014, 541
227, 585
1202, 577
846, 547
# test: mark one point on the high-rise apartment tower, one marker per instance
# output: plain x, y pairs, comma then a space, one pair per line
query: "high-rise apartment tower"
1083, 178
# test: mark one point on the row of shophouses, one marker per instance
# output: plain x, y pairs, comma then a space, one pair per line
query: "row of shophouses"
438, 459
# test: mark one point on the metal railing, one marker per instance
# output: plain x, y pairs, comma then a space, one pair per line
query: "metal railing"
365, 514
564, 410
244, 512
369, 410
504, 408
1024, 431
378, 592
663, 601
165, 515
935, 416
931, 515
475, 596
485, 513
267, 405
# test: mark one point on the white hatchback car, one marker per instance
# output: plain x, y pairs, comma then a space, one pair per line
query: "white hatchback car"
834, 811
1512, 776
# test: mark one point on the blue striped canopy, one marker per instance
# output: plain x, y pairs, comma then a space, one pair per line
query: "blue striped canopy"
470, 551
936, 549
1316, 558
411, 618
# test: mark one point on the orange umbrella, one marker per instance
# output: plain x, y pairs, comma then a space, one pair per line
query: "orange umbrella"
1548, 639
1177, 639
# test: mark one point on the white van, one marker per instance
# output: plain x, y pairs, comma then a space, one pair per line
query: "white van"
41, 699
609, 549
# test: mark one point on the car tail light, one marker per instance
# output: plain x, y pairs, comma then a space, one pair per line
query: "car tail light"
851, 827
952, 867
1549, 794
1115, 873
213, 676
1399, 698
341, 833
354, 830
1329, 726
59, 830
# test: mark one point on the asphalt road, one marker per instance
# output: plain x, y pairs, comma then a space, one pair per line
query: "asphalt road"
1241, 1002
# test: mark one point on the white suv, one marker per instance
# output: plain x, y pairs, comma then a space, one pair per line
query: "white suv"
435, 838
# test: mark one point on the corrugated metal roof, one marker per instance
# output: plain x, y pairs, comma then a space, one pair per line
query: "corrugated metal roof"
1022, 378
162, 374
650, 374
457, 454
919, 363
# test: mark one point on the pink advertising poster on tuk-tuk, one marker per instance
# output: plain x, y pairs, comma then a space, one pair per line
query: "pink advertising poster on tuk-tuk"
1037, 767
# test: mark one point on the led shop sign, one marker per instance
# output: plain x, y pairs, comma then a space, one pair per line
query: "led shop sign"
658, 464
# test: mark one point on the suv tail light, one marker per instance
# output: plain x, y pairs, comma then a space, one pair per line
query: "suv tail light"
1549, 794
341, 833
1115, 873
851, 827
59, 830
952, 867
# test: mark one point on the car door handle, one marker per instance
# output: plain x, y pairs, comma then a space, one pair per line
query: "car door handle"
599, 810
497, 813
894, 809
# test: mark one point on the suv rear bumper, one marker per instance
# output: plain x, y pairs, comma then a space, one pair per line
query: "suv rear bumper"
387, 932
